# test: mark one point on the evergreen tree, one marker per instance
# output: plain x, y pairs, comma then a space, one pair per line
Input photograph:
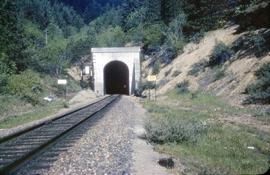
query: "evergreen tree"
11, 47
170, 9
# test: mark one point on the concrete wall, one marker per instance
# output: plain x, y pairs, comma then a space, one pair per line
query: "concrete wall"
128, 55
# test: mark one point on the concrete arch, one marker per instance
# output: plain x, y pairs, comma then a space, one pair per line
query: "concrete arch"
116, 78
102, 57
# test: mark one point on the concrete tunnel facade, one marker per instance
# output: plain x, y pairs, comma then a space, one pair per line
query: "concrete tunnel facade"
116, 70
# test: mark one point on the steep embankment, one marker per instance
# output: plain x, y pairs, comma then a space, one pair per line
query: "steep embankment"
234, 79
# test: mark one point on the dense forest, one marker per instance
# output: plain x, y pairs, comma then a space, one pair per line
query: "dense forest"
44, 37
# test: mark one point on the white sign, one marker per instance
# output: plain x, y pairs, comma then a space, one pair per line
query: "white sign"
62, 82
152, 78
87, 70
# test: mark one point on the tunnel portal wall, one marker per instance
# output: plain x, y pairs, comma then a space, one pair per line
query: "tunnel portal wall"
130, 56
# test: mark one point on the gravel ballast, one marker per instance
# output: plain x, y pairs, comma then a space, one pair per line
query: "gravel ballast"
104, 145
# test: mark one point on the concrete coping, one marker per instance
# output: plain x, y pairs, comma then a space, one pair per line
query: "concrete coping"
116, 49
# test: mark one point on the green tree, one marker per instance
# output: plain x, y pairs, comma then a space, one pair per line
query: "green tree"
11, 45
112, 37
174, 33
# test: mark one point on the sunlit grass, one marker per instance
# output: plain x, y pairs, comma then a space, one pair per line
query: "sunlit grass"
223, 148
37, 113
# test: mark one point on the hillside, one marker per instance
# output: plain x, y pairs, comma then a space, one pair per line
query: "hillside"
238, 73
207, 117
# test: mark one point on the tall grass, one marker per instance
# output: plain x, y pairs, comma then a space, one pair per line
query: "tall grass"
189, 129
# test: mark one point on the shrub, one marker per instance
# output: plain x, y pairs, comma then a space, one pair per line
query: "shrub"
260, 90
7, 68
144, 86
195, 38
167, 54
168, 129
219, 73
84, 84
253, 43
147, 85
26, 85
168, 72
156, 68
153, 34
176, 73
175, 36
197, 68
162, 83
182, 87
65, 104
220, 54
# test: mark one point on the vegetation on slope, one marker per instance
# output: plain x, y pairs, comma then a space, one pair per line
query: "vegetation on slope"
192, 128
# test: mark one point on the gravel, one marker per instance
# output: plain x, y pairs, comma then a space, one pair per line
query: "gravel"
110, 143
103, 145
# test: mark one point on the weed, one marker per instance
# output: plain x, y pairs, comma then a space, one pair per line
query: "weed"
260, 91
188, 130
219, 73
176, 73
182, 87
26, 85
170, 126
220, 54
168, 72
252, 43
65, 105
197, 68
156, 68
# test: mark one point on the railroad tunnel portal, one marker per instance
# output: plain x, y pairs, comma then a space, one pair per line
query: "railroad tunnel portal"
116, 70
116, 78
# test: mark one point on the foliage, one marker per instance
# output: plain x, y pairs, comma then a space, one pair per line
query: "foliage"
220, 54
168, 129
219, 148
6, 69
47, 36
44, 12
11, 45
136, 18
166, 126
176, 73
252, 14
175, 36
26, 85
147, 85
205, 15
260, 91
112, 37
168, 72
219, 73
31, 113
156, 67
253, 43
153, 34
84, 84
197, 68
182, 87
52, 58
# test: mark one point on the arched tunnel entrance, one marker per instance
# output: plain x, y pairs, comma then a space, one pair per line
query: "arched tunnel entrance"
116, 78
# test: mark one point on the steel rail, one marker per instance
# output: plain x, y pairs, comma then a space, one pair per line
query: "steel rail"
21, 147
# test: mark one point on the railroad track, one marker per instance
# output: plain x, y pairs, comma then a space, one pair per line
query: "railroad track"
22, 147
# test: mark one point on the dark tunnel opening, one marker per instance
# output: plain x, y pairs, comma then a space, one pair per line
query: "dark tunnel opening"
116, 78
